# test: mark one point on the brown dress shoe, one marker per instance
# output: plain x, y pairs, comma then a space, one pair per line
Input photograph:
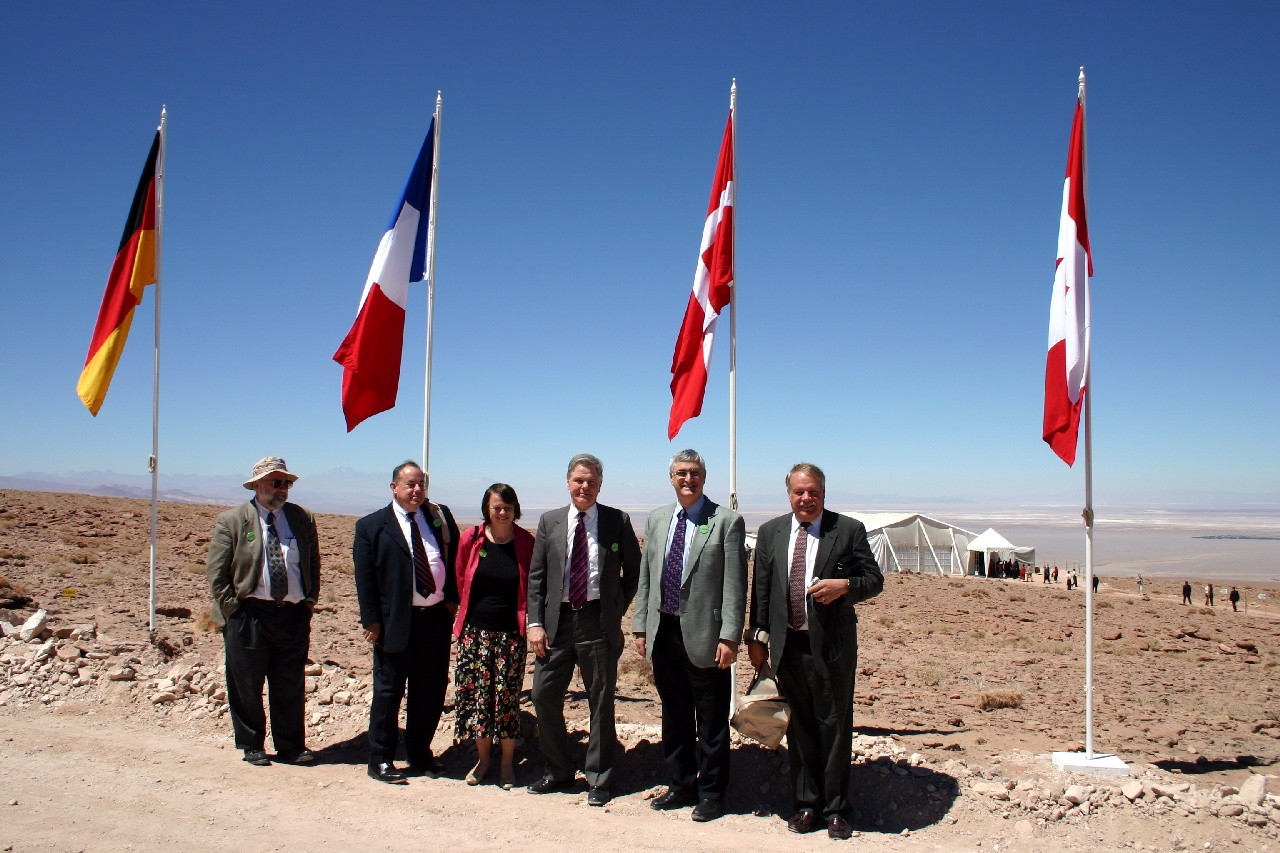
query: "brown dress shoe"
838, 827
804, 820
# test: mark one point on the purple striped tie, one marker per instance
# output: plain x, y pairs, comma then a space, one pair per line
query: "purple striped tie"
579, 565
798, 572
673, 571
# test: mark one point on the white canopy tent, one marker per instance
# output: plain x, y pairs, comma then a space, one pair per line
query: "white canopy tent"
911, 542
990, 543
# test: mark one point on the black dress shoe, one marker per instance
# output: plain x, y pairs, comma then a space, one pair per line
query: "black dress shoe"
707, 810
302, 756
674, 798
805, 820
430, 768
838, 827
548, 785
387, 772
256, 757
598, 796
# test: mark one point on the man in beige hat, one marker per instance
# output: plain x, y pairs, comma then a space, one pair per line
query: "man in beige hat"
264, 574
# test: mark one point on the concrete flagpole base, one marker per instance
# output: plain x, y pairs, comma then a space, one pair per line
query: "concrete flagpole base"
1077, 762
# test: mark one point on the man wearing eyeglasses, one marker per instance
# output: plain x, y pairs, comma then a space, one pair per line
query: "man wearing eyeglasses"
264, 574
690, 606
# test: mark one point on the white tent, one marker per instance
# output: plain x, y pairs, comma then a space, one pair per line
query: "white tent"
911, 542
990, 543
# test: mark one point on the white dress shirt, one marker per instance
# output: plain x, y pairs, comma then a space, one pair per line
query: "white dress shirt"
810, 556
690, 528
434, 557
292, 565
592, 524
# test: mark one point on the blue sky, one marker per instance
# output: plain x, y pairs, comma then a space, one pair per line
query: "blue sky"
900, 180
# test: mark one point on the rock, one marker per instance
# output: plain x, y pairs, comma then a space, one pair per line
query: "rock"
1254, 790
22, 679
1230, 810
68, 652
121, 673
1075, 794
88, 630
325, 697
45, 651
33, 626
1112, 635
1247, 645
163, 698
1132, 790
312, 669
1170, 791
342, 697
1225, 649
994, 790
179, 672
7, 629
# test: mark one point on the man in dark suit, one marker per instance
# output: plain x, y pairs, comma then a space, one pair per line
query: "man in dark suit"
404, 566
812, 566
582, 578
690, 606
264, 575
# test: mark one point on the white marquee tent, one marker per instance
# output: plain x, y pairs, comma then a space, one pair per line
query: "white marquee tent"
992, 543
911, 542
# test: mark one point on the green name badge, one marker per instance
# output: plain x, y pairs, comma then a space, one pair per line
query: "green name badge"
614, 547
704, 530
249, 537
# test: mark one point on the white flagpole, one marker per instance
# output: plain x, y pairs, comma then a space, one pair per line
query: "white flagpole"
1088, 464
733, 351
430, 275
153, 463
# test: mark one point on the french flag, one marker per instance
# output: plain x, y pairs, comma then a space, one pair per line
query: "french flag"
370, 354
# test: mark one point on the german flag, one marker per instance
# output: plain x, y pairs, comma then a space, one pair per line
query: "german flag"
134, 269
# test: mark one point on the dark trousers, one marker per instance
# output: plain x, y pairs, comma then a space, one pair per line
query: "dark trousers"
580, 641
695, 714
423, 666
267, 642
820, 734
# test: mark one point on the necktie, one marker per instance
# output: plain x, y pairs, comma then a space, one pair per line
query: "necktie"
673, 571
275, 561
579, 565
424, 580
797, 587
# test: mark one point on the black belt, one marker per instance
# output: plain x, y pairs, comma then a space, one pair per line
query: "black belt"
424, 607
567, 606
269, 604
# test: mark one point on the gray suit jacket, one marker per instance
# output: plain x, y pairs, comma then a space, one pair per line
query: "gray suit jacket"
843, 552
713, 587
619, 567
234, 566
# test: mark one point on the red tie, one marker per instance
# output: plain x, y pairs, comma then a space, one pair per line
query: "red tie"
426, 581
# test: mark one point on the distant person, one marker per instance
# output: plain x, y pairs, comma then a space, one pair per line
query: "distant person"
264, 574
1046, 574
1022, 571
690, 606
1208, 595
1186, 593
1095, 584
582, 578
493, 583
1139, 584
404, 557
812, 566
1234, 598
1055, 574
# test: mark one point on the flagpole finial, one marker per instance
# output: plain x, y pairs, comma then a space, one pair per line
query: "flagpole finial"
440, 96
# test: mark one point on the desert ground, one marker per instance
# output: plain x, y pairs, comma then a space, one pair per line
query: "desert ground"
114, 738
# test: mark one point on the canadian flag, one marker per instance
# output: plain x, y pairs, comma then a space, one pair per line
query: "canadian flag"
1067, 368
370, 354
711, 283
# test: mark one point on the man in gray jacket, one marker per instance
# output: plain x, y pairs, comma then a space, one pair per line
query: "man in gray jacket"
690, 607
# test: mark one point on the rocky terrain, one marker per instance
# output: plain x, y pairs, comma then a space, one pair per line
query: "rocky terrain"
965, 686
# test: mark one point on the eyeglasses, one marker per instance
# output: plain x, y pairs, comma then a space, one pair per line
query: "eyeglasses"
690, 473
279, 483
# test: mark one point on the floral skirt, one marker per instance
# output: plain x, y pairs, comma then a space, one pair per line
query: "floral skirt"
488, 675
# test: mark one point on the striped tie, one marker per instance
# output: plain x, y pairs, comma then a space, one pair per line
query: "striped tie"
798, 571
579, 565
425, 581
673, 572
275, 561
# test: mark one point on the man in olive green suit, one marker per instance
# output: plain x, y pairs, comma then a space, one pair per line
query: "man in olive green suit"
264, 574
690, 606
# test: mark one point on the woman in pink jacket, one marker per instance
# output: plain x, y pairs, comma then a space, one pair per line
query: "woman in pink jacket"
493, 584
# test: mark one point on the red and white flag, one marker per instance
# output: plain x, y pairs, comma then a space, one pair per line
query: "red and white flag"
712, 281
1067, 369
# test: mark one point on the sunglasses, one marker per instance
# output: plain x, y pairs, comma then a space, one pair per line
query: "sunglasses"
279, 483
